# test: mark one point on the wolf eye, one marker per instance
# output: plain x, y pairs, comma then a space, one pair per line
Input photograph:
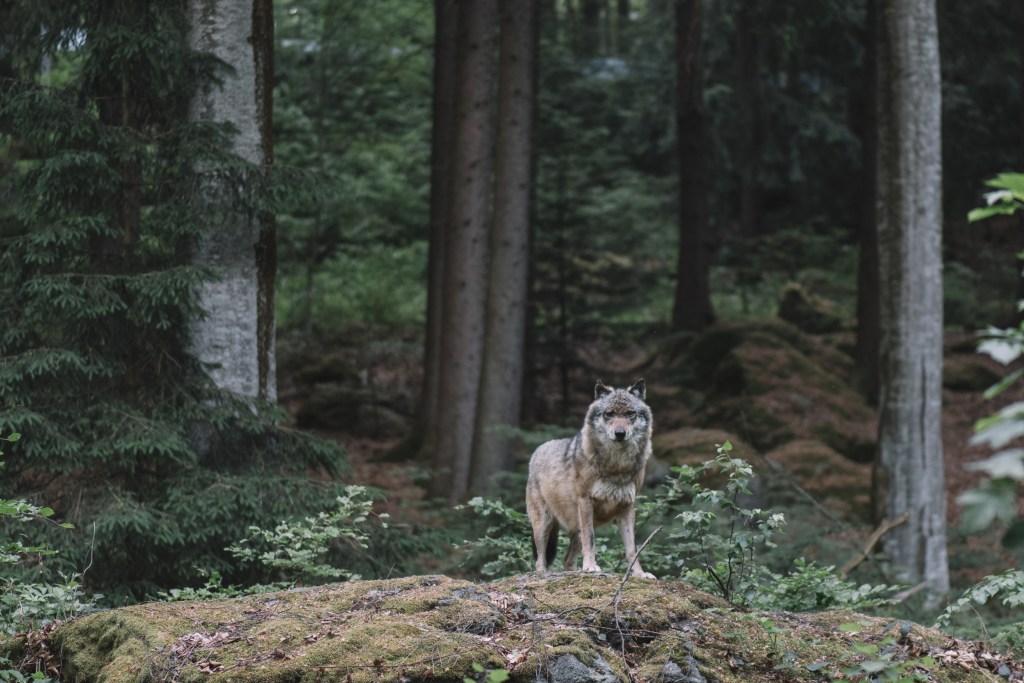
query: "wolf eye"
631, 415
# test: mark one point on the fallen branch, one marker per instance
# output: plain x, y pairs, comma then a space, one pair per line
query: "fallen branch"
885, 527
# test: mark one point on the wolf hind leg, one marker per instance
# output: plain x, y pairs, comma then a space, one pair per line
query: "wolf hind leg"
575, 546
545, 537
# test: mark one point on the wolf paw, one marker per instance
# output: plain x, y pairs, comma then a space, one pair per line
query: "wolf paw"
644, 575
594, 568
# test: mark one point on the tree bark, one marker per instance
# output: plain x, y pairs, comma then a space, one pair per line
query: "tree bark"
466, 258
502, 375
749, 96
234, 340
910, 473
692, 309
445, 30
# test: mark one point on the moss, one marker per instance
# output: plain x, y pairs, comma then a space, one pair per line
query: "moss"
428, 629
110, 647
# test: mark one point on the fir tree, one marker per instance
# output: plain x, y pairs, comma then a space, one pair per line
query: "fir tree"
123, 433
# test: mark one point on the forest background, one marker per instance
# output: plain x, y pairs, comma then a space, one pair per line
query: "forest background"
110, 178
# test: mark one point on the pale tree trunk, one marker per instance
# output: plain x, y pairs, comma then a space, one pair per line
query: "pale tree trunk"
235, 339
501, 380
465, 260
445, 28
692, 309
910, 476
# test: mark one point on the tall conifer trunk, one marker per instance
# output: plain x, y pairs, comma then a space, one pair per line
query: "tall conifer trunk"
910, 469
445, 29
502, 375
692, 309
465, 259
234, 340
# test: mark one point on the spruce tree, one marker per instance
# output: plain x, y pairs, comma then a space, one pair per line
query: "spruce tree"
100, 175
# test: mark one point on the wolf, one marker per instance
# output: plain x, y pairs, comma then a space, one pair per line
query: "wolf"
592, 478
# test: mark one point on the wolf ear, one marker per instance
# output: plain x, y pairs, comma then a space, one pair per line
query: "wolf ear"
639, 389
601, 389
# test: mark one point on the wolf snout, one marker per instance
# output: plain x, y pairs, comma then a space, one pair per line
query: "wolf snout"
620, 434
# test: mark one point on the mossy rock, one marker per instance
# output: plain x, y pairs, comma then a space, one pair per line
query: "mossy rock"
808, 312
773, 384
969, 372
829, 477
554, 627
693, 445
332, 368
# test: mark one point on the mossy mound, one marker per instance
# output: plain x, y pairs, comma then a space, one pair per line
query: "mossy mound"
830, 478
969, 372
809, 312
774, 384
550, 627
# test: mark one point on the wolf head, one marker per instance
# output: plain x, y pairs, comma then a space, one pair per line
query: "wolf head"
620, 415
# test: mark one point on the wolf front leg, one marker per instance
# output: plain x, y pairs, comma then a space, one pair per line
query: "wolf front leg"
627, 527
543, 523
586, 512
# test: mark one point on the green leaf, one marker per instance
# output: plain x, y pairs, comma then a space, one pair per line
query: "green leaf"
14, 437
984, 212
1003, 384
816, 666
850, 627
1014, 182
1008, 464
873, 666
865, 648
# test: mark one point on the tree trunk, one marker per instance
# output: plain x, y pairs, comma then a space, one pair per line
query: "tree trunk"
445, 29
749, 96
692, 309
502, 376
235, 339
868, 332
910, 475
465, 259
590, 28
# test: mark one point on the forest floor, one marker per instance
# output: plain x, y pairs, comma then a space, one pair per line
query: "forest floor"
389, 378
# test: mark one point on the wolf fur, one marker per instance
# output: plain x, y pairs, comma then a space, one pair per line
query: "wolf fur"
592, 479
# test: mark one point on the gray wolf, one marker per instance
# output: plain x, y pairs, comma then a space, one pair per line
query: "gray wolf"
592, 479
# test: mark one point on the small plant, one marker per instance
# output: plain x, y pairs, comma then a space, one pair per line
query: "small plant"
812, 587
721, 536
507, 547
882, 662
1009, 586
492, 675
26, 605
299, 550
214, 588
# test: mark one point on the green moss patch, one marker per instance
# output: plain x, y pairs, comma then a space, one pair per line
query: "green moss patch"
431, 628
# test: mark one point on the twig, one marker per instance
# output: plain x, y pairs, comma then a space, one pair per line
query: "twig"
910, 592
885, 527
618, 592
